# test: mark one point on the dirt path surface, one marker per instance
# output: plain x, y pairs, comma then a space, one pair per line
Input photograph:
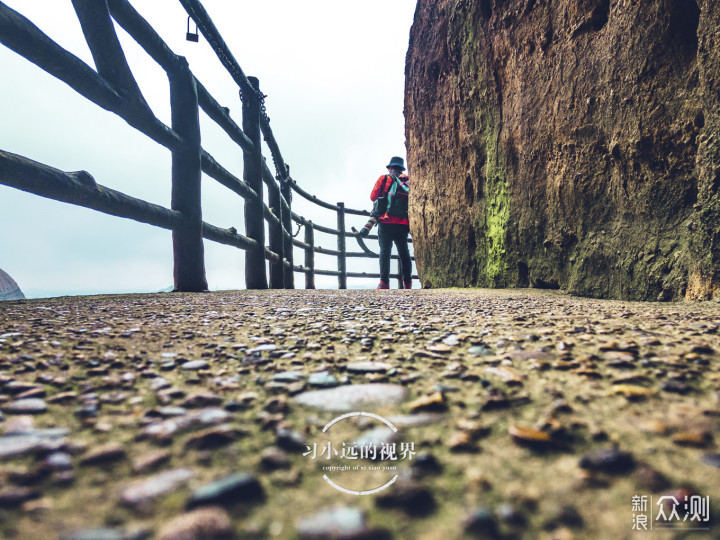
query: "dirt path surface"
518, 414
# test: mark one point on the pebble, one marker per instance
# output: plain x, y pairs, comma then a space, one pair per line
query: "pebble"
368, 367
194, 365
608, 460
150, 460
323, 379
273, 458
143, 491
414, 499
337, 522
215, 437
530, 437
435, 402
227, 491
15, 496
695, 438
202, 399
25, 406
287, 376
712, 459
481, 524
426, 463
210, 523
106, 453
353, 397
290, 440
24, 444
59, 461
107, 534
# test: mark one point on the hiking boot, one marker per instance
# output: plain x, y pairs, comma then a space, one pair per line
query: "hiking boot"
408, 285
382, 285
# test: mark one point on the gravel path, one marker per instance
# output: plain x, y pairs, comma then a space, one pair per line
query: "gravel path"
518, 414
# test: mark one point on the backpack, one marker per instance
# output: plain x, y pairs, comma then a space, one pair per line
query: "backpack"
397, 204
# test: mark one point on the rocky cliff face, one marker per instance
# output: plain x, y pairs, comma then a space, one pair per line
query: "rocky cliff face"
569, 144
9, 290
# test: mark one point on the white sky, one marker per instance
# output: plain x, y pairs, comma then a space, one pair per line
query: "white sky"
333, 71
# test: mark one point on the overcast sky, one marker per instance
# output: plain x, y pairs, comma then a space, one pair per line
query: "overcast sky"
334, 75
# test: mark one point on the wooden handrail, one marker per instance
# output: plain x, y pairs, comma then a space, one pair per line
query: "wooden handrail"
113, 88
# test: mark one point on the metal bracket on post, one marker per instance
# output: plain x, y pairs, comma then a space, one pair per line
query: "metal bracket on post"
342, 256
309, 255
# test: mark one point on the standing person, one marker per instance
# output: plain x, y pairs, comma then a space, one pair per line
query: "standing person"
394, 226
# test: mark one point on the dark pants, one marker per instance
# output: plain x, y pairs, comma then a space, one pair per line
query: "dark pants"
387, 234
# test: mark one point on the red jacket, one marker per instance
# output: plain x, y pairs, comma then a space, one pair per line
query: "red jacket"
376, 193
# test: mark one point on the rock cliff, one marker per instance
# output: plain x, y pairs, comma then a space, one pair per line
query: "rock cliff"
569, 144
9, 290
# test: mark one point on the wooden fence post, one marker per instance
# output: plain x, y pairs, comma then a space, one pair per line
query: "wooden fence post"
309, 256
255, 273
188, 252
276, 241
401, 283
342, 257
289, 277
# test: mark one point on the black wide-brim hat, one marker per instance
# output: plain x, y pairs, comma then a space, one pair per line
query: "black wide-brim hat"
397, 162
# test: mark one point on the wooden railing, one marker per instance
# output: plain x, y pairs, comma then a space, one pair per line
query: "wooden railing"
113, 87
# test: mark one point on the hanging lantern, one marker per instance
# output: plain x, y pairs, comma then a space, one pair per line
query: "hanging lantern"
191, 36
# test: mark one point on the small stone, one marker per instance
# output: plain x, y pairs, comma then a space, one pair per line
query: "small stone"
104, 454
712, 459
59, 461
150, 460
194, 365
530, 436
426, 463
696, 438
143, 491
632, 392
413, 420
648, 479
202, 399
215, 437
564, 515
17, 445
434, 402
461, 441
25, 406
338, 522
376, 437
273, 458
107, 534
413, 498
18, 387
276, 405
609, 460
368, 367
509, 376
481, 523
11, 497
20, 425
229, 490
211, 523
676, 387
290, 440
287, 376
352, 397
323, 379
